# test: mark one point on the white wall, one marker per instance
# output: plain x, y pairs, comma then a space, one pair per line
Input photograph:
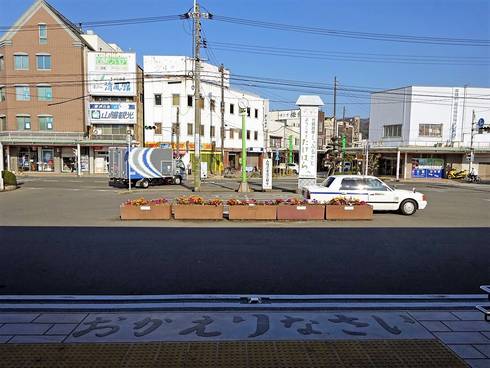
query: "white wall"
430, 105
157, 78
390, 108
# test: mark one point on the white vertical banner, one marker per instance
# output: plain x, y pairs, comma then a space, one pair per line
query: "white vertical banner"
308, 141
308, 106
267, 174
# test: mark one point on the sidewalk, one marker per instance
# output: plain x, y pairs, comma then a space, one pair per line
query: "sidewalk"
389, 331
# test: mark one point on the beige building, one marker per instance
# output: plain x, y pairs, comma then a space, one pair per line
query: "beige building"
45, 103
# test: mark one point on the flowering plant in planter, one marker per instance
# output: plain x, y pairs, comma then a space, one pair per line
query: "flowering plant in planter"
344, 201
197, 208
214, 202
242, 202
299, 209
251, 209
144, 209
343, 208
145, 202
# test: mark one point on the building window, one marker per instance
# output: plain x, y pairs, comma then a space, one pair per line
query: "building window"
232, 109
43, 62
248, 134
3, 123
2, 63
296, 141
22, 93
158, 100
175, 100
44, 93
392, 131
3, 96
248, 111
23, 122
212, 131
256, 113
43, 34
189, 129
256, 135
212, 105
239, 134
158, 128
232, 134
189, 100
45, 123
202, 129
430, 130
21, 62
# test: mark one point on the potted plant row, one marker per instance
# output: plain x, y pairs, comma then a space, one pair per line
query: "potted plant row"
343, 208
294, 209
251, 209
197, 208
143, 209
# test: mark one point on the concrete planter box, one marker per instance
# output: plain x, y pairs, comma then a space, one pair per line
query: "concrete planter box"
302, 213
197, 212
150, 212
342, 212
252, 212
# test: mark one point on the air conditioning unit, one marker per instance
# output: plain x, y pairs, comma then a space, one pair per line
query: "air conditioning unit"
97, 131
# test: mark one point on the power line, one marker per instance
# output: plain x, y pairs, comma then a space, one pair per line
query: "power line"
94, 24
337, 56
356, 35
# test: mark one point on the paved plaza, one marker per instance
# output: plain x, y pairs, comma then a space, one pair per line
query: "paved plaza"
463, 331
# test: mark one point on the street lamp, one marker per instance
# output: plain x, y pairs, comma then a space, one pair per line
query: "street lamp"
244, 187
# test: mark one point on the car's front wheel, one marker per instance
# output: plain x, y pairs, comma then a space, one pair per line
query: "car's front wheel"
408, 207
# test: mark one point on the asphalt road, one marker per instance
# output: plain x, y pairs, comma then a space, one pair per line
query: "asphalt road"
92, 260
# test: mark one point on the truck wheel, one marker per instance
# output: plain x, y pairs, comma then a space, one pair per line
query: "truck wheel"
145, 183
177, 180
408, 207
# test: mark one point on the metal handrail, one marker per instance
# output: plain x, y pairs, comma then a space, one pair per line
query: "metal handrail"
483, 309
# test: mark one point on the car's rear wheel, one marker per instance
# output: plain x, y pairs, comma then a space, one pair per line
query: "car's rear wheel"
408, 207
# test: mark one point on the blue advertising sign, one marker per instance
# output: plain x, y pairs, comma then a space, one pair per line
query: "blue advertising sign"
431, 168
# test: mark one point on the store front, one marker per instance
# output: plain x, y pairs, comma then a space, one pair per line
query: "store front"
101, 160
27, 158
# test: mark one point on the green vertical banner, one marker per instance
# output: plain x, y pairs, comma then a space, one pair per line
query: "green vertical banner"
344, 144
290, 141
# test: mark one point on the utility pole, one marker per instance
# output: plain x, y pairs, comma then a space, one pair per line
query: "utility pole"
344, 138
472, 154
335, 106
243, 104
222, 70
2, 186
177, 132
197, 97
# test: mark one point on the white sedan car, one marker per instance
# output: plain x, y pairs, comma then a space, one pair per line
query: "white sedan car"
368, 189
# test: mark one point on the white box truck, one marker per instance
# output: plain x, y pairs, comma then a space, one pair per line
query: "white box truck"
147, 166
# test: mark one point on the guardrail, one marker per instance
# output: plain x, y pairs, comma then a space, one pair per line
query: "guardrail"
483, 309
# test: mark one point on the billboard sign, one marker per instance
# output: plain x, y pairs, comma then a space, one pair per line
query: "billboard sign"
427, 168
112, 113
111, 74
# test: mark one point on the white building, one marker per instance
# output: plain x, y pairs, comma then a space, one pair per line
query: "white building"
169, 98
430, 123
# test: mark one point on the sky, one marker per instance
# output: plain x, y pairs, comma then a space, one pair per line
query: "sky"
435, 18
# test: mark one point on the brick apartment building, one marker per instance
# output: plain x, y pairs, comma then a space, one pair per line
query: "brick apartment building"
46, 100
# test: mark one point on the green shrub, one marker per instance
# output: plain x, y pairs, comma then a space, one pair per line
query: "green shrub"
9, 178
